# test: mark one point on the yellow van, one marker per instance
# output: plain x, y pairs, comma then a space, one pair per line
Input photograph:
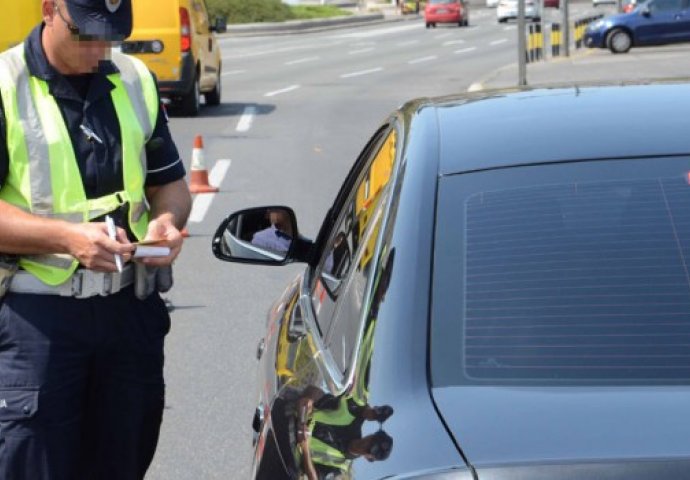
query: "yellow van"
17, 20
177, 42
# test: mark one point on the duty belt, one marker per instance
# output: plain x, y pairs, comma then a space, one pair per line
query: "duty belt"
83, 283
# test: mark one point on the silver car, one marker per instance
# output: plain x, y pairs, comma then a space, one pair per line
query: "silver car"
509, 9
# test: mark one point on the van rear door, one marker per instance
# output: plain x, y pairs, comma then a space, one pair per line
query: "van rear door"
156, 38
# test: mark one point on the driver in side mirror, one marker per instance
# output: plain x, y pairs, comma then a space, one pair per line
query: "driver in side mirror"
278, 236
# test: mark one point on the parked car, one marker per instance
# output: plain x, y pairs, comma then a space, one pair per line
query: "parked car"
508, 9
446, 11
552, 4
473, 310
654, 22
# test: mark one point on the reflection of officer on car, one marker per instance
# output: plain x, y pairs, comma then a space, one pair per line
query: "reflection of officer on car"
330, 433
82, 135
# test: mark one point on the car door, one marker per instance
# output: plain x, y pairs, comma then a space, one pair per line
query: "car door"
322, 324
659, 22
683, 22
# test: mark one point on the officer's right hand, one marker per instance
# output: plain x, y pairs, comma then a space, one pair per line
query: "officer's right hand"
90, 244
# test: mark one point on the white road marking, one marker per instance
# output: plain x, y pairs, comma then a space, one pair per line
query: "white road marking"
465, 50
498, 42
361, 72
444, 35
381, 31
246, 119
282, 90
408, 42
241, 53
202, 202
301, 60
423, 59
361, 50
234, 72
512, 27
453, 42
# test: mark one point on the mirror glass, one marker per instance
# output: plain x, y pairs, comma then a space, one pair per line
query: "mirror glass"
259, 234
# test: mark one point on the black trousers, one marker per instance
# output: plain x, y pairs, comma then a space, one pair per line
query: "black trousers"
81, 386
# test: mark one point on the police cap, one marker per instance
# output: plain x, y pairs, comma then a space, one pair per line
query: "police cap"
102, 19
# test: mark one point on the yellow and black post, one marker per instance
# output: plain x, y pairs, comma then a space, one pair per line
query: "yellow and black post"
555, 39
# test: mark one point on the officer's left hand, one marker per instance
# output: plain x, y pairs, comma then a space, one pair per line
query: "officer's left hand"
163, 229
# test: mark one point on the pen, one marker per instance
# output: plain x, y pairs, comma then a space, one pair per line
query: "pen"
90, 134
112, 233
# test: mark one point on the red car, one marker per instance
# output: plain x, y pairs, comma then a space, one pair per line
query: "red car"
551, 4
446, 11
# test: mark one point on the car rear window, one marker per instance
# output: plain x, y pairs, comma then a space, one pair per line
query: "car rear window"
572, 273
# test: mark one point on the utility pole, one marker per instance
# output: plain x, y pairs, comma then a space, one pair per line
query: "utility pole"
522, 51
566, 29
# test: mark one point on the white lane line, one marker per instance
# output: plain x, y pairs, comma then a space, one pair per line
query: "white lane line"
234, 72
507, 29
361, 50
246, 119
361, 72
282, 90
301, 60
202, 202
465, 50
382, 31
498, 42
453, 42
423, 59
444, 35
408, 42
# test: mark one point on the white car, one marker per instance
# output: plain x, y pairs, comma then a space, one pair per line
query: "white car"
491, 3
509, 9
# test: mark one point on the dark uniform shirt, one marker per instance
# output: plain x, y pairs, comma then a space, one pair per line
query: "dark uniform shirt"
85, 100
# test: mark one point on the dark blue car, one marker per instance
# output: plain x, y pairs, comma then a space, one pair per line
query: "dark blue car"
653, 22
470, 310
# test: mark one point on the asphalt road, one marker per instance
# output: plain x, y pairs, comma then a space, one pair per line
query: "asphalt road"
297, 110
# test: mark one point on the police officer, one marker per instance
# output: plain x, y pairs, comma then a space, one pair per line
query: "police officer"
82, 136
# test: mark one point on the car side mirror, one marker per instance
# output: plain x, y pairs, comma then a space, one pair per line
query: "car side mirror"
220, 25
645, 12
264, 235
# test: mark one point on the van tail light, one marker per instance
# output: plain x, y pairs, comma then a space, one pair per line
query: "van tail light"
185, 31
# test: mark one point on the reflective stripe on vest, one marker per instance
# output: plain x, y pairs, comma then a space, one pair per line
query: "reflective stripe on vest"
324, 454
37, 137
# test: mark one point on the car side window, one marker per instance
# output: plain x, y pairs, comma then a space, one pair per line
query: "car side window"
345, 240
665, 5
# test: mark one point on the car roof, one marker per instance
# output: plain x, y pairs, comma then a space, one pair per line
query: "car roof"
504, 128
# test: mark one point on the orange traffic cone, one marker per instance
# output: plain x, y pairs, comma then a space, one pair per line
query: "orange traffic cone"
198, 174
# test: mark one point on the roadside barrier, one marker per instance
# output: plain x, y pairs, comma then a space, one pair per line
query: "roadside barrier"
580, 27
556, 39
198, 174
535, 43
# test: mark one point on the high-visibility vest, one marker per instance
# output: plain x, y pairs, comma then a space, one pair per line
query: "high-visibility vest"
44, 177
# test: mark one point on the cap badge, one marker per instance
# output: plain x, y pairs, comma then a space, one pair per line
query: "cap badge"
113, 5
